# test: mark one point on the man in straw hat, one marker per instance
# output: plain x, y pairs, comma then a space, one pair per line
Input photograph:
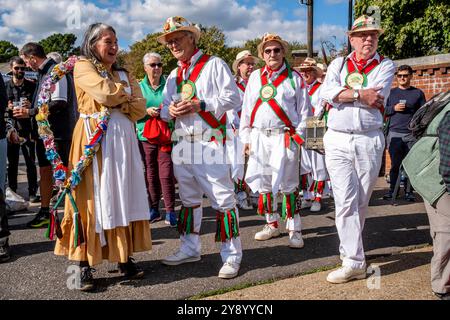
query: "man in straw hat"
198, 94
357, 87
275, 107
311, 73
242, 67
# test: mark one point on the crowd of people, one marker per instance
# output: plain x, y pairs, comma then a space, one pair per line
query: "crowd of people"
233, 138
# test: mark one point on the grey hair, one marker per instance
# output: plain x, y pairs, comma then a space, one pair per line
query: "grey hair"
149, 55
56, 56
91, 37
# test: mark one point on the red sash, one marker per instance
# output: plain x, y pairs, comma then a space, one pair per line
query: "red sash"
242, 87
313, 90
207, 116
290, 133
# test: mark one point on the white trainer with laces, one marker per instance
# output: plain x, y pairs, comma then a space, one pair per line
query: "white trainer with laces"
295, 240
345, 274
179, 258
229, 270
316, 206
267, 233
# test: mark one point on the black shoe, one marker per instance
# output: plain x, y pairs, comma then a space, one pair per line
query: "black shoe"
34, 198
388, 196
5, 252
87, 283
409, 196
442, 296
131, 270
42, 219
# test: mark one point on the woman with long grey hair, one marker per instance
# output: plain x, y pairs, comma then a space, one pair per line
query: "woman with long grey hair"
114, 218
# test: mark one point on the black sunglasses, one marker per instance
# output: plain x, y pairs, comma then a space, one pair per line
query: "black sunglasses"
19, 68
269, 51
153, 65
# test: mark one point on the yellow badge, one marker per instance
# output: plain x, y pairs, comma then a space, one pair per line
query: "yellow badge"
355, 80
268, 92
187, 90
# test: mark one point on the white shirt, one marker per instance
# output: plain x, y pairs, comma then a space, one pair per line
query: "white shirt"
215, 86
233, 115
354, 116
295, 103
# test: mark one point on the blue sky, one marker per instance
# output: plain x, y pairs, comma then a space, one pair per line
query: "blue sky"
32, 20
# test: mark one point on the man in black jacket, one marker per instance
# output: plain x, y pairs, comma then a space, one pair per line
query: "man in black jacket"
62, 120
4, 231
20, 91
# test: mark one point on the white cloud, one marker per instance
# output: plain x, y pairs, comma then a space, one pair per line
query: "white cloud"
23, 21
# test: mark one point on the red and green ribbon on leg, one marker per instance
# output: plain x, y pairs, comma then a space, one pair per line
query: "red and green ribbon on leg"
265, 203
186, 220
227, 225
289, 206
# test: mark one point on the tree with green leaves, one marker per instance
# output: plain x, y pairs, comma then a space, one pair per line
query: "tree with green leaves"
7, 51
413, 28
61, 43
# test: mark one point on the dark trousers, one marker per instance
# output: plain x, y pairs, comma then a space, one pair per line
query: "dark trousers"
398, 151
159, 175
29, 154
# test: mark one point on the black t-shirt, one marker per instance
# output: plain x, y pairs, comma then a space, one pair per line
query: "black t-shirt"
3, 106
399, 121
14, 93
62, 118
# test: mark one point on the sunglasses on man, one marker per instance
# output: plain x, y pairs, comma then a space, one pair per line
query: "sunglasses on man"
19, 68
154, 65
403, 75
275, 51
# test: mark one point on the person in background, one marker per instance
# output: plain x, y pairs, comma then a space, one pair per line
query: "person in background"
243, 67
401, 105
5, 251
157, 158
19, 92
61, 119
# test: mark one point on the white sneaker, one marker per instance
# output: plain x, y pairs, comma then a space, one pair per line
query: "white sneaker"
179, 258
316, 206
305, 204
229, 270
267, 233
345, 274
295, 240
242, 201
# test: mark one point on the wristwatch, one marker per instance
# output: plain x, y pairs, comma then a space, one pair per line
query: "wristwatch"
355, 95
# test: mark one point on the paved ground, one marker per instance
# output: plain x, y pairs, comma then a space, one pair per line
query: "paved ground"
401, 276
35, 273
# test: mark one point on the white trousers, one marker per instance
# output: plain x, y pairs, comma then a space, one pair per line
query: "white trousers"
271, 167
200, 168
353, 162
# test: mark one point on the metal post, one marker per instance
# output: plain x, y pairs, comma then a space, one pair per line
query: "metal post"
310, 5
350, 23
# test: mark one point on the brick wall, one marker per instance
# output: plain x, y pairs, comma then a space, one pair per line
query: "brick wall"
431, 75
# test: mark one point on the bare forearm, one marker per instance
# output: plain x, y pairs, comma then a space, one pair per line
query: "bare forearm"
345, 96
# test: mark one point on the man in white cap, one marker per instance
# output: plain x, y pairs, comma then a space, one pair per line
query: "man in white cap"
275, 107
357, 87
242, 67
207, 91
311, 73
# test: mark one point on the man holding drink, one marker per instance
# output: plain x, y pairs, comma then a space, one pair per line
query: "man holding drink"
401, 105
